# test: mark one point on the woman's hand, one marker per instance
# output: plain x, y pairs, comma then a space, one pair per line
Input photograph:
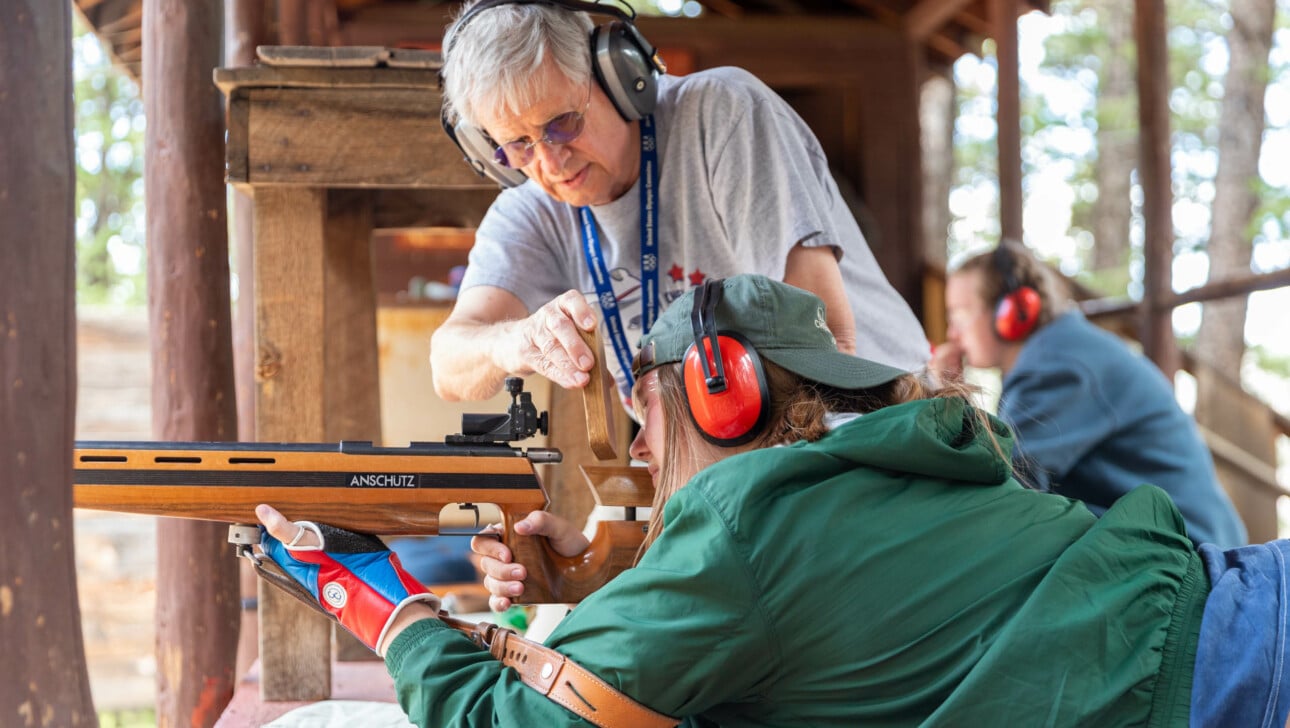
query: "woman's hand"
503, 578
550, 343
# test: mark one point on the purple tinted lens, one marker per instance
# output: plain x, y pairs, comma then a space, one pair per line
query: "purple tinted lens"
564, 128
499, 156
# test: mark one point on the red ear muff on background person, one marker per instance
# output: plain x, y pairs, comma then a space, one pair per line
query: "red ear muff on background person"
1017, 313
725, 385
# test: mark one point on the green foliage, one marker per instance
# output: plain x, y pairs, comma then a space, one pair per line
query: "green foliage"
1270, 362
140, 718
1061, 116
109, 177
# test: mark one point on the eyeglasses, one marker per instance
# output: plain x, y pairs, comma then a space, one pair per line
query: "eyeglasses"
559, 131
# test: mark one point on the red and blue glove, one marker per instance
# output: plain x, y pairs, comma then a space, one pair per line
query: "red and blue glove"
352, 576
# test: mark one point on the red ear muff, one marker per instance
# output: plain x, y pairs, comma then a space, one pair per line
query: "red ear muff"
734, 411
1017, 313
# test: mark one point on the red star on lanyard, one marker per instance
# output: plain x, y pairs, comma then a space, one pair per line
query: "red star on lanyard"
696, 278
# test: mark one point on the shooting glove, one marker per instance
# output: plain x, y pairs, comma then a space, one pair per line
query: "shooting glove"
353, 577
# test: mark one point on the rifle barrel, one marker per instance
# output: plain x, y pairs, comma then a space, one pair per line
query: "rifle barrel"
387, 491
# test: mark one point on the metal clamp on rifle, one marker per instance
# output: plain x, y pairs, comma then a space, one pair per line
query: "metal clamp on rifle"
520, 422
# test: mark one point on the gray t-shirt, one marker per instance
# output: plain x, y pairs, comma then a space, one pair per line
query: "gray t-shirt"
742, 180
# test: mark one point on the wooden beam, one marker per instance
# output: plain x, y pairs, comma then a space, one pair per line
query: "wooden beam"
341, 137
244, 29
193, 395
1155, 170
1255, 470
352, 408
724, 8
1230, 287
45, 679
799, 50
973, 22
1218, 289
290, 275
1003, 15
416, 208
928, 16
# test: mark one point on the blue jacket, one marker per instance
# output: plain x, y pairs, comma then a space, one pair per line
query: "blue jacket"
1093, 420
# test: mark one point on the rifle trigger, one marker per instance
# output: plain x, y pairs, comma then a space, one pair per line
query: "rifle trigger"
473, 508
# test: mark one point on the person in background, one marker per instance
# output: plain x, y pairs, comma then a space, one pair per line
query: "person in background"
845, 547
626, 187
1092, 418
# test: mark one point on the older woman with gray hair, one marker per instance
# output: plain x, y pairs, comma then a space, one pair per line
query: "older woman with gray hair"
626, 187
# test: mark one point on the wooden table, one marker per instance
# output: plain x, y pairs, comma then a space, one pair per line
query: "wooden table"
301, 141
329, 150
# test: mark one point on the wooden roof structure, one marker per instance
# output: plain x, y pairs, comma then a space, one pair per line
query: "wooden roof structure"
948, 28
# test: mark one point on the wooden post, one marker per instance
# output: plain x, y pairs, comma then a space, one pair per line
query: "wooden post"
1232, 414
1157, 333
352, 405
1003, 15
890, 160
192, 359
290, 345
45, 680
244, 28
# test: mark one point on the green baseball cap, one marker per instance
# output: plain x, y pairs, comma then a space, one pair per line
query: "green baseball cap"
785, 324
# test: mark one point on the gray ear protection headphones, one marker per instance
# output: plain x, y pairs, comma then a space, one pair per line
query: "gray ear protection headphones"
624, 64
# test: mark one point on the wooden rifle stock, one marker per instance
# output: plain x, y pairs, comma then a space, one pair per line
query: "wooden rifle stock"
381, 490
388, 491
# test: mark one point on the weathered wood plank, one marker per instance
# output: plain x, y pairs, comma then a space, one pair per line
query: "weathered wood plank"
238, 118
232, 80
352, 409
382, 137
1236, 417
290, 343
323, 56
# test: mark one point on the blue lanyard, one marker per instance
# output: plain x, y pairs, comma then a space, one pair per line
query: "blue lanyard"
649, 255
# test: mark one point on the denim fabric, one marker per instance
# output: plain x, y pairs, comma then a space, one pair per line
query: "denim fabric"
1241, 677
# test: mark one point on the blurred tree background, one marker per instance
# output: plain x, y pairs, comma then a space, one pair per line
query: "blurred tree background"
1080, 137
109, 177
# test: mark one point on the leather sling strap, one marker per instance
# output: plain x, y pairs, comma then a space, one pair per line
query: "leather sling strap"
561, 679
540, 667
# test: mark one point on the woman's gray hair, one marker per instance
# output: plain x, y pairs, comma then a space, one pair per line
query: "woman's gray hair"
489, 65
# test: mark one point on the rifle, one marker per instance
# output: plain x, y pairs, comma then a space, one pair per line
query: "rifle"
381, 490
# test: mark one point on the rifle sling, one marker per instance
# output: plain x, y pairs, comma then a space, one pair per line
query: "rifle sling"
561, 679
539, 667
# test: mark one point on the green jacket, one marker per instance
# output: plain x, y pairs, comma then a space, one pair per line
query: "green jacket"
891, 574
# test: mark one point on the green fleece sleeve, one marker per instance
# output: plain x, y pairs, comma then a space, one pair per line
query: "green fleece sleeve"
685, 630
444, 681
662, 633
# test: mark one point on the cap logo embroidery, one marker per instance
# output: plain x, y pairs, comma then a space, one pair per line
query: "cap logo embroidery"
822, 324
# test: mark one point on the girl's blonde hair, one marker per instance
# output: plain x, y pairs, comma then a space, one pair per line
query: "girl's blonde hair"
797, 411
